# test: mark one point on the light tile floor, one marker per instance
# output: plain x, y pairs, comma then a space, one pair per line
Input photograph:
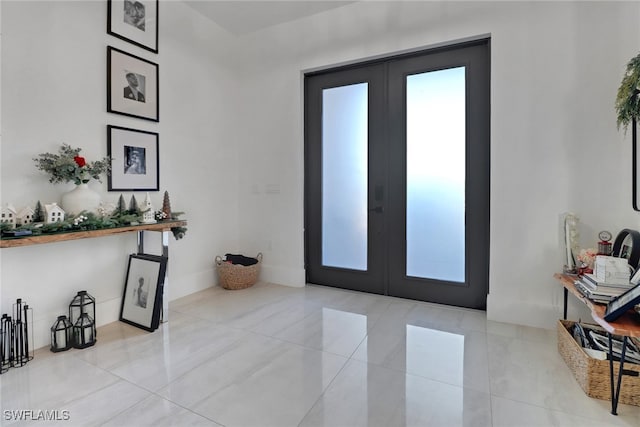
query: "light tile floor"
279, 356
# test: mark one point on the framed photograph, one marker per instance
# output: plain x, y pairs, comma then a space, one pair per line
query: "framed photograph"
622, 304
142, 297
135, 160
132, 85
135, 21
627, 245
635, 159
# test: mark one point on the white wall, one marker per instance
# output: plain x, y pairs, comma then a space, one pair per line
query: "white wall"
53, 91
231, 135
554, 144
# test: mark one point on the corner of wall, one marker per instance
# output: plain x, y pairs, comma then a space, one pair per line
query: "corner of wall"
537, 313
294, 277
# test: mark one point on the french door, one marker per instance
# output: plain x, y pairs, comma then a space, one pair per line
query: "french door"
397, 176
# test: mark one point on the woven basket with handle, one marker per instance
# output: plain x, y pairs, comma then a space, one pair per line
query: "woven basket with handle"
593, 374
237, 276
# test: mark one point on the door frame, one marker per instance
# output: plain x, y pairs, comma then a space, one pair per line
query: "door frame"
377, 131
477, 243
476, 60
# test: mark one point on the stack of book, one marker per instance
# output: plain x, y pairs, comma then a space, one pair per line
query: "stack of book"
598, 290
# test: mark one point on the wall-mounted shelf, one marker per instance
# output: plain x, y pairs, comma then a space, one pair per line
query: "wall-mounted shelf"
164, 227
12, 242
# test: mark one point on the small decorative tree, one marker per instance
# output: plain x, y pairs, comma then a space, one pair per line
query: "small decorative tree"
38, 213
166, 206
121, 207
133, 206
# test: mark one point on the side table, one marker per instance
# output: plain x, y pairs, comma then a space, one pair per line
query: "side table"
627, 325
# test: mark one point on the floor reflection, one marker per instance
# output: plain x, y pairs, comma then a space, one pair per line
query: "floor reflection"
278, 356
444, 352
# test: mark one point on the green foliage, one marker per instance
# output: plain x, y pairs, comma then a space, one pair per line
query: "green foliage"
67, 165
179, 232
90, 221
133, 206
627, 99
121, 208
128, 218
38, 213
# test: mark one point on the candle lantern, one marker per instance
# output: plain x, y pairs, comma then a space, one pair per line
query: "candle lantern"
82, 303
3, 367
6, 324
16, 337
61, 334
22, 335
30, 345
84, 332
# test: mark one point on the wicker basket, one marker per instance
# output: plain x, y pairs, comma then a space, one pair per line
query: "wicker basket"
237, 276
593, 374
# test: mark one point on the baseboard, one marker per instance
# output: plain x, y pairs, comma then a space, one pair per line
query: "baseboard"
283, 276
527, 312
188, 284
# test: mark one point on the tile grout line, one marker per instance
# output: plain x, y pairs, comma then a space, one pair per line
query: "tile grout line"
348, 360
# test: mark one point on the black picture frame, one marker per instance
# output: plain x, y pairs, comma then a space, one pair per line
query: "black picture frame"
143, 288
135, 159
134, 21
133, 87
623, 303
634, 167
627, 245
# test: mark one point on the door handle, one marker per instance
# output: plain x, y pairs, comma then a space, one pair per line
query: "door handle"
377, 209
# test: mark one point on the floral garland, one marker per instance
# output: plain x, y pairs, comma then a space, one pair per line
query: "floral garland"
628, 97
87, 221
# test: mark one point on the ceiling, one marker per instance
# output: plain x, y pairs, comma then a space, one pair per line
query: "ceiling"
245, 16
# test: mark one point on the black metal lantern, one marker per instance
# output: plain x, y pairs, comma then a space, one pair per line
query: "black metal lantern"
82, 303
23, 344
61, 334
84, 332
5, 343
16, 337
8, 353
30, 346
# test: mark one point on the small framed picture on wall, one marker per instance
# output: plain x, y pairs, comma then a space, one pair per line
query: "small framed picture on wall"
135, 21
135, 161
132, 85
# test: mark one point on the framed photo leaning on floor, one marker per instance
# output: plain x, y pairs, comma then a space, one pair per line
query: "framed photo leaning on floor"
142, 297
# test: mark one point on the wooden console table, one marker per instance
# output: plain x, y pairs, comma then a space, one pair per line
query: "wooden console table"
627, 325
164, 227
12, 242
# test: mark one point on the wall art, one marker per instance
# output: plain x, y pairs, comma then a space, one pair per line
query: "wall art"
132, 85
135, 21
135, 159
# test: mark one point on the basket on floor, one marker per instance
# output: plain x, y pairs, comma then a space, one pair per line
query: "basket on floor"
593, 374
237, 276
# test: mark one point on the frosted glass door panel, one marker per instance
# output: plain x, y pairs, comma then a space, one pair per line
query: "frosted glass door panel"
344, 176
436, 175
